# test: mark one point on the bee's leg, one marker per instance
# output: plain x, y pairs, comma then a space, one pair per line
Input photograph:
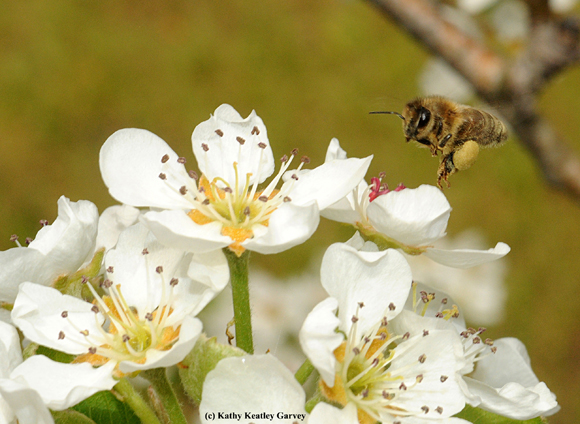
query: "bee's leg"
459, 160
433, 149
446, 168
443, 142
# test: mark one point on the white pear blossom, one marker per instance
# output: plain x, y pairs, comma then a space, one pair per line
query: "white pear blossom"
18, 401
407, 219
260, 388
28, 389
390, 376
497, 375
64, 249
145, 319
223, 207
58, 249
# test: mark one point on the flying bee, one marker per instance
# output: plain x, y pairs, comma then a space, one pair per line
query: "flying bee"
455, 130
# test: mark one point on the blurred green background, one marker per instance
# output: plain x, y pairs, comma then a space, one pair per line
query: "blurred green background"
73, 72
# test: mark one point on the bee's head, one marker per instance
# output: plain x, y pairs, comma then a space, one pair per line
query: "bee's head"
418, 122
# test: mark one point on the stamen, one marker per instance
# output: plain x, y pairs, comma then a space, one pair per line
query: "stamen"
165, 158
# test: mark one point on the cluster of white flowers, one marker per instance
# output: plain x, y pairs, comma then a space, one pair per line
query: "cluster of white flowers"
119, 293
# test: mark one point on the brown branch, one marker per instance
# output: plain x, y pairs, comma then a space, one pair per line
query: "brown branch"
511, 86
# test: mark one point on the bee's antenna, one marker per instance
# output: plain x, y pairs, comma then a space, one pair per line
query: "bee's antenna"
391, 113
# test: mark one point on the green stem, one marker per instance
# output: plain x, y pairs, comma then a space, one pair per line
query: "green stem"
136, 402
241, 295
158, 379
304, 372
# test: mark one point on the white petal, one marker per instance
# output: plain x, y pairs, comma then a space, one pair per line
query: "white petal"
507, 385
251, 384
289, 225
176, 229
323, 413
130, 162
226, 149
188, 334
344, 210
64, 385
37, 312
142, 286
9, 349
378, 279
467, 258
207, 276
112, 222
74, 228
318, 338
210, 269
439, 348
415, 217
24, 402
329, 182
334, 151
60, 248
21, 264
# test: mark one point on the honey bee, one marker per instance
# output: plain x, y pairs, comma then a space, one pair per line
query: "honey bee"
455, 130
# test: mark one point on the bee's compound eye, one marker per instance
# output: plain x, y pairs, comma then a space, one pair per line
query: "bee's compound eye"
424, 116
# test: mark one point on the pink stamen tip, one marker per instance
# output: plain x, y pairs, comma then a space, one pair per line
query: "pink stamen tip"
377, 189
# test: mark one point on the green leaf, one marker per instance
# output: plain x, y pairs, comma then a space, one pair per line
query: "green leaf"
70, 417
201, 360
479, 416
105, 408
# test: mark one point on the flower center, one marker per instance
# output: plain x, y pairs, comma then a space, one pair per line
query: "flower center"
370, 376
475, 347
125, 334
237, 205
